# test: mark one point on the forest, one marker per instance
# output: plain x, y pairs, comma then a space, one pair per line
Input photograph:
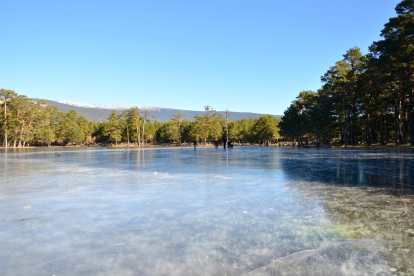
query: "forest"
364, 99
26, 122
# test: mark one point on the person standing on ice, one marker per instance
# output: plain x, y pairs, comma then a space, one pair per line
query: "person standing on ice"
216, 143
224, 142
195, 144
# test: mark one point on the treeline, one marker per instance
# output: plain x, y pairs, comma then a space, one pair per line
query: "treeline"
364, 98
26, 122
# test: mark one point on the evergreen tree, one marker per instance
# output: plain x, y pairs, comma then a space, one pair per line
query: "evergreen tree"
209, 125
178, 119
46, 134
114, 128
6, 96
68, 130
133, 118
265, 129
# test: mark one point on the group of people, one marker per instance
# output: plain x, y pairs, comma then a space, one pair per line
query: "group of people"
226, 143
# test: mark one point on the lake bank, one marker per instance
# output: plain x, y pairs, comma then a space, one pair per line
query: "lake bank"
282, 144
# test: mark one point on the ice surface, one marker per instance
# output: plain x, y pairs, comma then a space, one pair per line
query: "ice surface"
180, 211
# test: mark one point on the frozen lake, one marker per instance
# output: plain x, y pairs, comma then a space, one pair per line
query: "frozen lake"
180, 211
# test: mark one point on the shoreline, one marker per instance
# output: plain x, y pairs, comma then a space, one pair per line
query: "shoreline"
378, 146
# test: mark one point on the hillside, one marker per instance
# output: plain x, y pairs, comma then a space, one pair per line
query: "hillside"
100, 113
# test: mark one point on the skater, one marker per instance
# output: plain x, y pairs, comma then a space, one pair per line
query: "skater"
195, 144
216, 143
224, 142
229, 144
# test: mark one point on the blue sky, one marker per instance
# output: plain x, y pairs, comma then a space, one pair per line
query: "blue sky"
252, 56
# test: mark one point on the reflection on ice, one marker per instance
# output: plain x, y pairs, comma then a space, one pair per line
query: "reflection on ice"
376, 221
247, 210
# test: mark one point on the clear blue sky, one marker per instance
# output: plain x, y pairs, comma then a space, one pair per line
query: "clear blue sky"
253, 56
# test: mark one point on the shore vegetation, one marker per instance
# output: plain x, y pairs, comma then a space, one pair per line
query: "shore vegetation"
26, 122
365, 99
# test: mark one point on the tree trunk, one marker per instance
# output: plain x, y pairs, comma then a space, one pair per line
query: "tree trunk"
15, 137
368, 131
128, 134
397, 124
404, 131
346, 126
143, 133
179, 134
341, 130
373, 132
329, 140
349, 126
5, 122
411, 115
138, 136
387, 131
317, 137
354, 126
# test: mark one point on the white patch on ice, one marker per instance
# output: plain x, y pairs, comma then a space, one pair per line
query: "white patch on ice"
165, 175
224, 177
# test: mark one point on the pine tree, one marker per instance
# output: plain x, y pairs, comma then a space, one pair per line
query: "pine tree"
6, 96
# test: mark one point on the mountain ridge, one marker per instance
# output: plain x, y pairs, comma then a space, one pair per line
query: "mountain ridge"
95, 112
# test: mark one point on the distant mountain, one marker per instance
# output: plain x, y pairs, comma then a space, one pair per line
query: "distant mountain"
101, 112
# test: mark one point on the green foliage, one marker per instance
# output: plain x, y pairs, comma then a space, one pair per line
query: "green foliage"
46, 134
208, 126
84, 125
133, 120
68, 130
290, 126
241, 130
178, 124
266, 129
5, 97
113, 128
167, 132
42, 124
364, 98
